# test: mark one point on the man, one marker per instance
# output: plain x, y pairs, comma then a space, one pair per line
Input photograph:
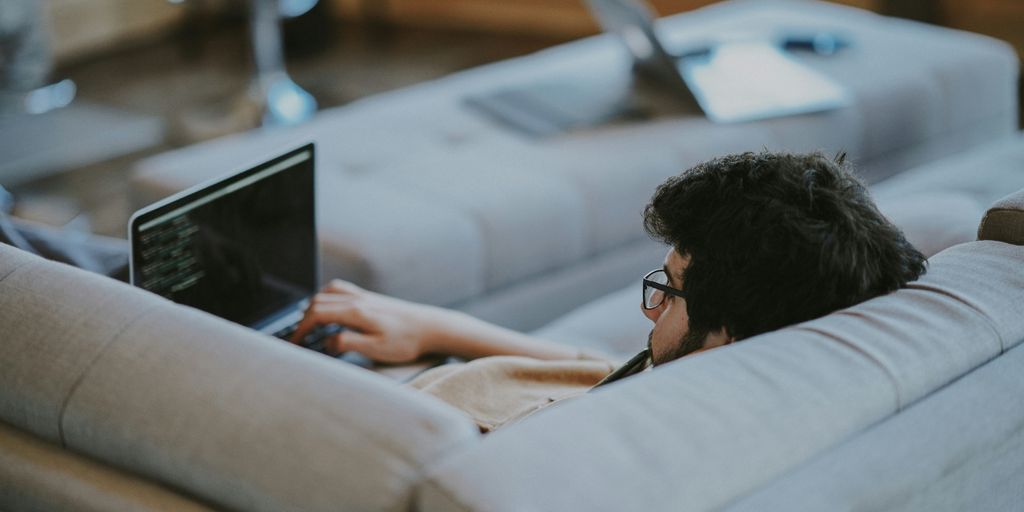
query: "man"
758, 241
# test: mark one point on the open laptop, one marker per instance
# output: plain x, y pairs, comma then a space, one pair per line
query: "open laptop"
242, 247
731, 81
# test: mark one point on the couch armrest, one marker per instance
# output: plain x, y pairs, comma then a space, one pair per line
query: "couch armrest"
37, 475
1004, 221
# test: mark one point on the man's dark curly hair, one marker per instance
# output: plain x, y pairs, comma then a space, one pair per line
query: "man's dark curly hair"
776, 239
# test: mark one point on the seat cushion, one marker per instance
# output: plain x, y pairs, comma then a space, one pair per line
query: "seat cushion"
984, 173
933, 221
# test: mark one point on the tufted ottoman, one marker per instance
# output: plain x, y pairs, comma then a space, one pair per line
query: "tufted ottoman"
422, 198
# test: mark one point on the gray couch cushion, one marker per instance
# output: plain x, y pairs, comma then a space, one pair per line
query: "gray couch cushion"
959, 449
985, 174
55, 326
1004, 221
933, 220
238, 419
717, 425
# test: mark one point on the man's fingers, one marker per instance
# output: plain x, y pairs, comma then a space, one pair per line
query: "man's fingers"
350, 341
317, 314
330, 298
341, 287
344, 313
309, 320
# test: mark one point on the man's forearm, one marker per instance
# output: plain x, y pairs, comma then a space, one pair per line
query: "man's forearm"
462, 335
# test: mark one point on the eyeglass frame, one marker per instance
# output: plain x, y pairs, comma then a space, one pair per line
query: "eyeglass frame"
660, 287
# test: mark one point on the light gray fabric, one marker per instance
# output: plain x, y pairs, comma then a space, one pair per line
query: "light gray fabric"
960, 449
55, 325
405, 242
528, 209
532, 301
529, 219
37, 475
985, 174
1004, 221
939, 204
613, 324
772, 402
171, 394
933, 221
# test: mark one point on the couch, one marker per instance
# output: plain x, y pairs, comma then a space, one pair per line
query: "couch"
112, 398
519, 230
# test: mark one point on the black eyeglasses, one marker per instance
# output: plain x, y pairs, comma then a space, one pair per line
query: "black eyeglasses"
655, 288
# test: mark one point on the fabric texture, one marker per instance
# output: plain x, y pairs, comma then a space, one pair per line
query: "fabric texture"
773, 402
37, 475
613, 323
238, 419
55, 326
960, 449
496, 391
933, 221
984, 173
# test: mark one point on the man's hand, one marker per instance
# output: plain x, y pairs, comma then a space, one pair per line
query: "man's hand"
391, 330
382, 328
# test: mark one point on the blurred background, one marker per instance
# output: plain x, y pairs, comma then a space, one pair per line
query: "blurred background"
89, 86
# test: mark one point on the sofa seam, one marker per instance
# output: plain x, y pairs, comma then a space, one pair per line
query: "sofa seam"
15, 269
988, 320
88, 368
893, 381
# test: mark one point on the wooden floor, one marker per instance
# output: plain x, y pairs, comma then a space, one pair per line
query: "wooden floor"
191, 80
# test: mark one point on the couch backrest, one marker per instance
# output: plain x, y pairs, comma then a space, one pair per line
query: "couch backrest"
960, 448
706, 430
217, 411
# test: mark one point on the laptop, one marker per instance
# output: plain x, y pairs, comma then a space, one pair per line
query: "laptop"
730, 81
242, 247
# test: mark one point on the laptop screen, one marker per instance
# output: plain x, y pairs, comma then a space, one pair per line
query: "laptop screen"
242, 248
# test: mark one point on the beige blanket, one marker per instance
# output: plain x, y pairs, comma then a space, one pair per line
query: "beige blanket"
495, 391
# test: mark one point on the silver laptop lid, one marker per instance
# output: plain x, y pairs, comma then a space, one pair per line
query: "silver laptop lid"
633, 22
732, 81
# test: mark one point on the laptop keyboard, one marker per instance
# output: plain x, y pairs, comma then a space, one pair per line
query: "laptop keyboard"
315, 340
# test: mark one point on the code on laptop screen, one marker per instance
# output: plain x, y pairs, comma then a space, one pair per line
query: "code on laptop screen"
240, 249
